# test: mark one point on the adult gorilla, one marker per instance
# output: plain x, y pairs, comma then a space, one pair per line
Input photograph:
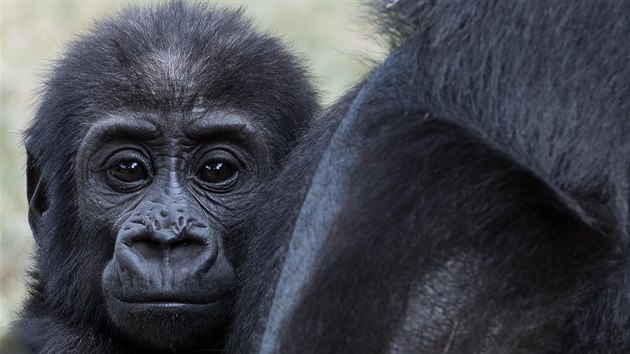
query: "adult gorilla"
470, 196
151, 129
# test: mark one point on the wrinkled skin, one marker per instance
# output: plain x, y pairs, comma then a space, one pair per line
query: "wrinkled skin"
151, 130
170, 190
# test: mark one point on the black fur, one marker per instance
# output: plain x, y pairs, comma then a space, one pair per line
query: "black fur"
470, 196
167, 64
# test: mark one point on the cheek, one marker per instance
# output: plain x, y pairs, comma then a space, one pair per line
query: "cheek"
99, 205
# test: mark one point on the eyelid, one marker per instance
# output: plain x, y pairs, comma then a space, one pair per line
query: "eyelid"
221, 187
214, 154
233, 153
128, 154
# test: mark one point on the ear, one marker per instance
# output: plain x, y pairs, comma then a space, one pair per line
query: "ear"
35, 192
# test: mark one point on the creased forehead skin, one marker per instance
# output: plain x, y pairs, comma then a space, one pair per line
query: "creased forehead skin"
168, 53
174, 58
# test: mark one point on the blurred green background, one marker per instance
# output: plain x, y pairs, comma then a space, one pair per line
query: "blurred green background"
33, 33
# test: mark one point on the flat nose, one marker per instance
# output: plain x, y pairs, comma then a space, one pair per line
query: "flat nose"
166, 234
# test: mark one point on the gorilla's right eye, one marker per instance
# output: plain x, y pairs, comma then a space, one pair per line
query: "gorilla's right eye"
128, 171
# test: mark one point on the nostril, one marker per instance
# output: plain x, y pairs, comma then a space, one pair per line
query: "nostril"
186, 249
155, 245
147, 248
188, 242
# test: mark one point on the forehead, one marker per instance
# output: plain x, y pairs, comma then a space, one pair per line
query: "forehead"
197, 124
169, 59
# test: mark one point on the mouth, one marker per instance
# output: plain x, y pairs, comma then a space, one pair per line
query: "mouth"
169, 297
168, 306
166, 300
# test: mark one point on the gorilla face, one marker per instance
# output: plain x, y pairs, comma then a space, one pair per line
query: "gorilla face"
164, 187
152, 132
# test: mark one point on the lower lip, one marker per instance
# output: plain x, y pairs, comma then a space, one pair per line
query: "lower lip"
168, 305
171, 305
164, 308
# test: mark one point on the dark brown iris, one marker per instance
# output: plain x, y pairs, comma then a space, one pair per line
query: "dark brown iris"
129, 171
217, 172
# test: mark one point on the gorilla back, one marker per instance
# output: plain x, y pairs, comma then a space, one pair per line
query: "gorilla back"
470, 196
151, 129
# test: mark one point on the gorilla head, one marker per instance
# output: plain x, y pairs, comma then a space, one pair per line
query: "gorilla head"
150, 131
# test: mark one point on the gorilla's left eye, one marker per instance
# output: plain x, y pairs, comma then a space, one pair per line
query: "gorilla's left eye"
218, 172
128, 171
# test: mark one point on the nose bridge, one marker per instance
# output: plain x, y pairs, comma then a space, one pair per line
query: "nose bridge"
171, 186
170, 211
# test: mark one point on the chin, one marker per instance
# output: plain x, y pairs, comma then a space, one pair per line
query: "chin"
171, 324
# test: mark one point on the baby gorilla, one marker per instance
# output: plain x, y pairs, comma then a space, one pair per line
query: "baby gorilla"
151, 130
